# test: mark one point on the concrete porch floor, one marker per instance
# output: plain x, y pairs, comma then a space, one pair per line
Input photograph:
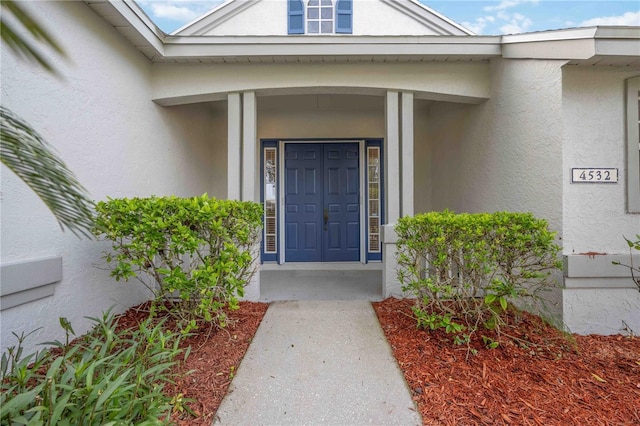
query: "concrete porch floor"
321, 281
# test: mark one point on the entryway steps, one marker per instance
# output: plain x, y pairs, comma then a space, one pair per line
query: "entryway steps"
321, 281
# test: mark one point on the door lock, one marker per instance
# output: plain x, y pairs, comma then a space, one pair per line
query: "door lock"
326, 218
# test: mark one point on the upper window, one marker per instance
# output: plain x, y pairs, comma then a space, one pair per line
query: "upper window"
633, 145
320, 16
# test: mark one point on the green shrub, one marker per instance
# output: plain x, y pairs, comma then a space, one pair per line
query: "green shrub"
465, 269
195, 254
105, 377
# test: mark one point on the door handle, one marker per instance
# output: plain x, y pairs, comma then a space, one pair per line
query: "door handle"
326, 218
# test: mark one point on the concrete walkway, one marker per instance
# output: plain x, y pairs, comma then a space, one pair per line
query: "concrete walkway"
319, 363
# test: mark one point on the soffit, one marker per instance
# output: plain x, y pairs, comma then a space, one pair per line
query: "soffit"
590, 46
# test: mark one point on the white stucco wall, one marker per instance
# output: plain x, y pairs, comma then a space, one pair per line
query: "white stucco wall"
218, 140
506, 153
320, 116
100, 118
594, 217
269, 17
602, 310
263, 18
422, 157
594, 130
377, 18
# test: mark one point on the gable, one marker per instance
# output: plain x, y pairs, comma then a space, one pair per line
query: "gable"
370, 18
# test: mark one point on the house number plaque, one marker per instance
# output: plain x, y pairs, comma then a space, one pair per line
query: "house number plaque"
594, 175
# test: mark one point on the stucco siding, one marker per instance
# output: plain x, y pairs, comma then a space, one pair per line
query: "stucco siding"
506, 153
262, 18
218, 156
601, 311
593, 111
422, 165
185, 83
370, 17
100, 118
377, 18
320, 116
594, 217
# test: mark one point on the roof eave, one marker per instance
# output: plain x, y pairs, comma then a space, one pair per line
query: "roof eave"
574, 44
332, 46
617, 45
429, 17
131, 21
215, 17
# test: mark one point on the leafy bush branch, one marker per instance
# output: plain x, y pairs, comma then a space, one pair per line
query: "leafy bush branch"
466, 269
194, 254
634, 269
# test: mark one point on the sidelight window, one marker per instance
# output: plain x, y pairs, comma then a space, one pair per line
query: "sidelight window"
373, 195
270, 200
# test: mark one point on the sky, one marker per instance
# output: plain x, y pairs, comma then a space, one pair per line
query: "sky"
485, 17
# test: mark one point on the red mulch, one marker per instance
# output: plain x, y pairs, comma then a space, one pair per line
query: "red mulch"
215, 357
536, 376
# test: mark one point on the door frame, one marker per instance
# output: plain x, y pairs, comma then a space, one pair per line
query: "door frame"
361, 197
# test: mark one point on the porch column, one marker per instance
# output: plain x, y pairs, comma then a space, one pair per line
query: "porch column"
234, 133
249, 136
406, 118
398, 182
241, 165
392, 157
390, 284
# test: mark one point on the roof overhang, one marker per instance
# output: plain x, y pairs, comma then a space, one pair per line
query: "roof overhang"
428, 17
131, 21
223, 12
614, 46
347, 48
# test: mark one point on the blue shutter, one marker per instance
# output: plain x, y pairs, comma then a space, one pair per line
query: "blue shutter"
296, 16
344, 17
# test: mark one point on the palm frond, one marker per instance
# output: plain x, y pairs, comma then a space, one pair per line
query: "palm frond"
19, 44
24, 152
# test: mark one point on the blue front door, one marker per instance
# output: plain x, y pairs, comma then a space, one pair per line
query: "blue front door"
322, 209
